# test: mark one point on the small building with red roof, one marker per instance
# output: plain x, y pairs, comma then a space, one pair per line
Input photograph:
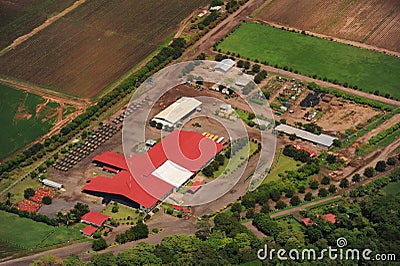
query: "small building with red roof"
89, 230
94, 218
311, 152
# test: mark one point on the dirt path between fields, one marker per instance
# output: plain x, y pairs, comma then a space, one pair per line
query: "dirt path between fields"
47, 23
330, 38
223, 28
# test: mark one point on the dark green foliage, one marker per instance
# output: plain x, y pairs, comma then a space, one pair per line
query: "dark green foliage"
313, 128
380, 166
295, 200
391, 161
314, 184
344, 183
325, 180
29, 192
46, 200
322, 192
298, 155
280, 204
331, 158
139, 231
332, 189
369, 172
308, 196
356, 178
99, 244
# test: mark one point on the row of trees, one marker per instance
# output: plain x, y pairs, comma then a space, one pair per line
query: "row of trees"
298, 155
139, 231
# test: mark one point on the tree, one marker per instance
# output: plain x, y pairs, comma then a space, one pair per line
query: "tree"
302, 189
99, 244
280, 205
159, 125
47, 260
295, 200
380, 166
331, 158
325, 180
337, 143
308, 196
103, 259
29, 192
246, 64
204, 229
240, 64
250, 213
344, 183
322, 192
73, 260
314, 184
153, 123
9, 197
256, 68
142, 254
236, 207
47, 200
332, 189
391, 161
289, 193
265, 208
275, 195
356, 178
369, 172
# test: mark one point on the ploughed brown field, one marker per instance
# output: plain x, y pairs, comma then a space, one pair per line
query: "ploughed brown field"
374, 22
20, 17
85, 51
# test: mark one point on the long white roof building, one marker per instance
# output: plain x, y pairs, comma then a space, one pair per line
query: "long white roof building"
321, 139
177, 111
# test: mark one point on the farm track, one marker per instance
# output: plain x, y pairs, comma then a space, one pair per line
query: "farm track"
330, 38
47, 23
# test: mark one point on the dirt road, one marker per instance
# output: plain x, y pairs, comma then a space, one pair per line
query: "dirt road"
209, 39
47, 23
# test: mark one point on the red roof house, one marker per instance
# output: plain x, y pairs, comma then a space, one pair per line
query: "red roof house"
94, 218
311, 152
112, 160
89, 230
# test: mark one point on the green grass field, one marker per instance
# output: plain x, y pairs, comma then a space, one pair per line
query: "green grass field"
392, 189
24, 234
290, 223
309, 55
20, 124
282, 165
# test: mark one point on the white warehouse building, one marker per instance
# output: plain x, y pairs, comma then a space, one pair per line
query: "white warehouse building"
177, 111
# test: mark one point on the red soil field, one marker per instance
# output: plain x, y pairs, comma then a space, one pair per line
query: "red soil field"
375, 22
85, 51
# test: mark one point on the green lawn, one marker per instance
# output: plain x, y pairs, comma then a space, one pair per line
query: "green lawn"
282, 165
27, 234
392, 189
290, 223
123, 212
19, 123
309, 55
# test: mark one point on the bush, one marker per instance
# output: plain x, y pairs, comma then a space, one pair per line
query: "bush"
308, 196
314, 184
332, 189
380, 166
356, 178
344, 183
369, 172
325, 180
295, 200
99, 244
322, 192
280, 205
391, 161
46, 200
29, 192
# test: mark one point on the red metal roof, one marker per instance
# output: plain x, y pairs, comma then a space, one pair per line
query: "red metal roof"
110, 169
150, 190
95, 218
311, 152
89, 230
195, 186
330, 217
112, 159
190, 150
